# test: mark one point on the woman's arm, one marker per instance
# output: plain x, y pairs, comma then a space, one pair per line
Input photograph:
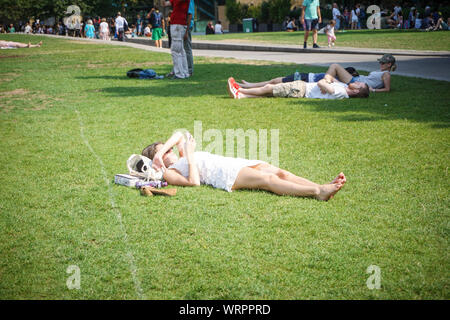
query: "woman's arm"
173, 177
177, 139
387, 83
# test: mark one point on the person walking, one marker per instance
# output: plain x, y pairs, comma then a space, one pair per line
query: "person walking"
178, 28
121, 24
310, 19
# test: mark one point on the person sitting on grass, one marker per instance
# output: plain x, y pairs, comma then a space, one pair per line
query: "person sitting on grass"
11, 45
291, 27
203, 168
378, 81
327, 88
148, 31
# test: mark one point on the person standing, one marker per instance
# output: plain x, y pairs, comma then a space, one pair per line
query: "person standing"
310, 19
188, 38
120, 26
336, 16
104, 30
157, 22
139, 25
89, 30
178, 26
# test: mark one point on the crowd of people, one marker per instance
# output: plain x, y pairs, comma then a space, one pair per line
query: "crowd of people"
355, 17
95, 27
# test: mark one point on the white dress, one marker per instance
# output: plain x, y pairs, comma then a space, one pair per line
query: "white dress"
218, 171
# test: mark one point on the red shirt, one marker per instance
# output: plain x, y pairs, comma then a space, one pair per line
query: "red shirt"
179, 13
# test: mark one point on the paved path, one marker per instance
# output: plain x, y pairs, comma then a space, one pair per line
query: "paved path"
437, 68
421, 66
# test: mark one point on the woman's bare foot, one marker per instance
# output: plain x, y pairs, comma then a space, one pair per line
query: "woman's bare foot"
39, 44
327, 191
340, 178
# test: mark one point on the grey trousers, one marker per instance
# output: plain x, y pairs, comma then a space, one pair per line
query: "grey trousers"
188, 49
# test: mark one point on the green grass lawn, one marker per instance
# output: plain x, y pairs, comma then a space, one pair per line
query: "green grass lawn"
69, 119
383, 39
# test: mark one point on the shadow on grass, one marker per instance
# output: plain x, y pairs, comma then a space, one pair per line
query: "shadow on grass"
412, 99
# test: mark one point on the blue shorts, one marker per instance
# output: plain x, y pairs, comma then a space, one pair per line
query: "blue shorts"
354, 79
303, 76
311, 24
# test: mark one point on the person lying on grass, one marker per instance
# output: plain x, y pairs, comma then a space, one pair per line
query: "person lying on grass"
11, 44
227, 173
327, 88
378, 81
307, 77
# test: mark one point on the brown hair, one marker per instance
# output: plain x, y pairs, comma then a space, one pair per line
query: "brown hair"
150, 150
363, 92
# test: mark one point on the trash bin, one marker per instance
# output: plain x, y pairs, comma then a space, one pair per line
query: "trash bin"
247, 24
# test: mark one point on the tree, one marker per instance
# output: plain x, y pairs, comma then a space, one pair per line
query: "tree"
233, 11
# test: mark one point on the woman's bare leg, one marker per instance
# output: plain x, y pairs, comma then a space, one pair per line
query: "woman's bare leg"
249, 85
337, 71
288, 176
250, 178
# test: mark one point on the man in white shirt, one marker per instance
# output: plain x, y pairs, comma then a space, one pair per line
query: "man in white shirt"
327, 88
336, 15
120, 26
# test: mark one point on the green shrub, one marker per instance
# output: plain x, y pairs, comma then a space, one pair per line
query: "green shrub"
279, 9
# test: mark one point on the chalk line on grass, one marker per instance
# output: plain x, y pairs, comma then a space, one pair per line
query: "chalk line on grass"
130, 257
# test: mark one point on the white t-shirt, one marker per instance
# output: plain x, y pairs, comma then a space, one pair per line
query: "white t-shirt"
147, 30
28, 29
218, 29
336, 13
354, 16
104, 27
120, 21
329, 30
313, 91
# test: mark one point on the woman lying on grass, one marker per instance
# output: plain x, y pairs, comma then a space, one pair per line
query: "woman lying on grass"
378, 81
13, 45
195, 168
